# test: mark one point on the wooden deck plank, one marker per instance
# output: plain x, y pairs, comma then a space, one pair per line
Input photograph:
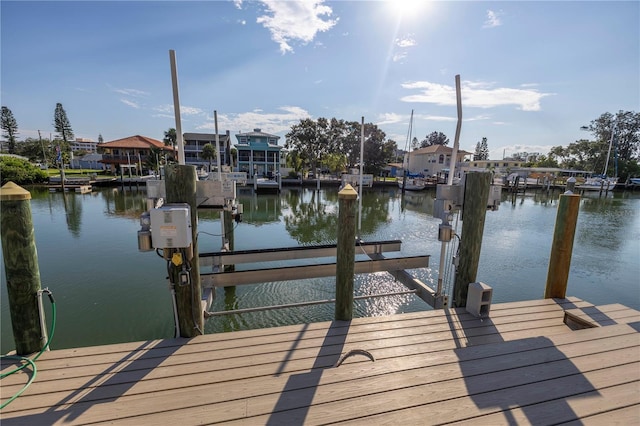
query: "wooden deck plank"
269, 373
412, 333
113, 353
172, 394
251, 355
593, 407
285, 332
622, 416
405, 409
211, 397
598, 316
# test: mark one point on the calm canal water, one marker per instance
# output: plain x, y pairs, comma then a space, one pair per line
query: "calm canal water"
106, 291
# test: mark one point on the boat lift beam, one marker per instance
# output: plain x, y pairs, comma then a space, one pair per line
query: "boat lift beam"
289, 273
291, 253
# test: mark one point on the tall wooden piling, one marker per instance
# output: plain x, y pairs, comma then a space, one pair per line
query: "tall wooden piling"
476, 194
229, 226
562, 246
21, 267
345, 253
181, 188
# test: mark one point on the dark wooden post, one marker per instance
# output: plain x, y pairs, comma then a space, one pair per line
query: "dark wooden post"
476, 194
562, 246
229, 226
345, 253
21, 267
181, 188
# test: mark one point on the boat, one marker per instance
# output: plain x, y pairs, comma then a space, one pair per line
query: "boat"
598, 183
410, 181
602, 182
634, 181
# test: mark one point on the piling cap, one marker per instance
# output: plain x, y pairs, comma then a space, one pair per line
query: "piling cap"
12, 192
348, 192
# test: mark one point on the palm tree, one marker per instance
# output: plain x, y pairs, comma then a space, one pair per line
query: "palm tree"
208, 153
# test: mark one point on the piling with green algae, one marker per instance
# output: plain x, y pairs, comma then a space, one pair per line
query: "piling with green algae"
345, 253
181, 188
21, 267
476, 194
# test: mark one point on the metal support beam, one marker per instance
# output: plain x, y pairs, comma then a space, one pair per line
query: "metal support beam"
256, 276
290, 253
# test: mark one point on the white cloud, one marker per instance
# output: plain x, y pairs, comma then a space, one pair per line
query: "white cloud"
474, 94
131, 92
295, 21
242, 22
493, 19
184, 110
399, 56
130, 103
405, 42
238, 4
275, 122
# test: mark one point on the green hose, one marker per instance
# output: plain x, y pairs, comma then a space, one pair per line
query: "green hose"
29, 361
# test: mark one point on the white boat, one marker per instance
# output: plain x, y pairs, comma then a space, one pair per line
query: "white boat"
598, 183
634, 181
412, 184
602, 182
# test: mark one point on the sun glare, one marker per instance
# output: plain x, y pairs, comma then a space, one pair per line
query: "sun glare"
407, 8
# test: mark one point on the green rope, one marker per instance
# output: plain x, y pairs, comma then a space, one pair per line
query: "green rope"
29, 361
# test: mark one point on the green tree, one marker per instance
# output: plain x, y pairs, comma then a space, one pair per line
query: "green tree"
335, 162
35, 149
482, 150
170, 139
154, 159
100, 138
20, 171
61, 124
10, 128
627, 133
434, 138
63, 127
208, 153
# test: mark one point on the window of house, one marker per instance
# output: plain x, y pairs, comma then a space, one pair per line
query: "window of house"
244, 155
258, 156
272, 156
441, 159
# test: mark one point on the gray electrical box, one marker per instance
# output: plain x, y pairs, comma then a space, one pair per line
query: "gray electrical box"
171, 226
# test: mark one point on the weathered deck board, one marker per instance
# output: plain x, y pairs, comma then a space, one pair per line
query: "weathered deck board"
433, 367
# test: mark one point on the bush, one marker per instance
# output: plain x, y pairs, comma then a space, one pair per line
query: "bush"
20, 172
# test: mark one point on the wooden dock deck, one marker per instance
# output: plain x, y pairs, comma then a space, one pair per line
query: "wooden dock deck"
522, 365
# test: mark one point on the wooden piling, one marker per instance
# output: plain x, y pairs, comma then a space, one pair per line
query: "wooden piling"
229, 226
21, 267
562, 246
345, 253
181, 188
476, 194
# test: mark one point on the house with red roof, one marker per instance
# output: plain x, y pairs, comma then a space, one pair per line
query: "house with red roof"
131, 153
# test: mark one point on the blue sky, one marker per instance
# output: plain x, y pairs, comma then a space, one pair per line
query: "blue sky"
532, 72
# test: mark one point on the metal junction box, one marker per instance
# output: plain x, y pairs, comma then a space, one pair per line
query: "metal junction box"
171, 226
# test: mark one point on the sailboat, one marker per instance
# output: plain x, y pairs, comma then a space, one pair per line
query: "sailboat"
410, 181
602, 182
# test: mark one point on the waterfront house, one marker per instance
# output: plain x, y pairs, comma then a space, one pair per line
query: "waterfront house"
130, 153
259, 153
194, 142
433, 160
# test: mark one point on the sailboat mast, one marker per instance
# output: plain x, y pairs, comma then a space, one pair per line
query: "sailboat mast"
606, 164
